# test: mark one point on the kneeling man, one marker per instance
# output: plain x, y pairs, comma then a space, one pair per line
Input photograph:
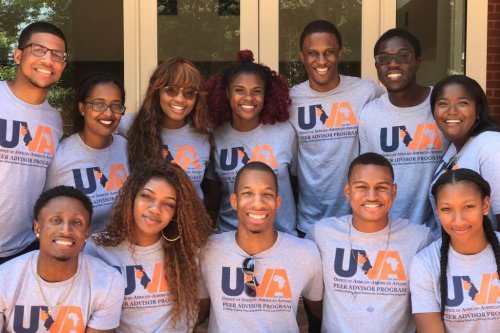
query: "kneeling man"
255, 276
366, 256
58, 288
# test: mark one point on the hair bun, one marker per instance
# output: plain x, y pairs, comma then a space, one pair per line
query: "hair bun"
244, 56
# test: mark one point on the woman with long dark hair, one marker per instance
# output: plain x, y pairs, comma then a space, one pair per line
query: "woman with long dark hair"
455, 281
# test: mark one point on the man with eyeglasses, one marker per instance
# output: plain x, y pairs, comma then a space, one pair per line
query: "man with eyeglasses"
366, 255
400, 125
29, 133
255, 276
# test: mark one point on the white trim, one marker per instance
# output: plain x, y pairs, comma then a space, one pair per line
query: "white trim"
269, 33
249, 26
140, 48
376, 18
477, 40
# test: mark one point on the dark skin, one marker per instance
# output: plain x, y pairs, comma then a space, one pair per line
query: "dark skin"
256, 194
400, 79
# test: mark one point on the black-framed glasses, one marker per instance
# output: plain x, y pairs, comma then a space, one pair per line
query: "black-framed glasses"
251, 285
400, 57
188, 92
101, 107
39, 51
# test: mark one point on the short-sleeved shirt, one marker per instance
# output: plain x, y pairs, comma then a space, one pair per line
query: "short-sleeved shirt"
327, 127
183, 146
29, 135
481, 154
94, 297
411, 140
99, 173
274, 145
147, 306
473, 303
282, 278
366, 275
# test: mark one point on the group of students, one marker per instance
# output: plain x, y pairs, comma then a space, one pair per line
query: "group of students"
236, 143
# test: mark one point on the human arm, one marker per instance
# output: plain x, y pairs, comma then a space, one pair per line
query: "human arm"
429, 322
315, 307
204, 306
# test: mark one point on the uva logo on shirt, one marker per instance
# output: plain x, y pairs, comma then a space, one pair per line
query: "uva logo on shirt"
186, 157
340, 114
153, 281
37, 140
68, 319
274, 284
426, 137
229, 158
86, 179
385, 265
486, 291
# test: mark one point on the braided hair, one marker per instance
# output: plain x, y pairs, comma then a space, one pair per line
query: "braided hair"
454, 177
276, 98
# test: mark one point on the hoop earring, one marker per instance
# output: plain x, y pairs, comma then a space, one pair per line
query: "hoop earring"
172, 239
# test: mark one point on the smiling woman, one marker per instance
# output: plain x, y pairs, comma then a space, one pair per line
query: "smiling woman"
158, 227
461, 110
464, 263
249, 106
93, 159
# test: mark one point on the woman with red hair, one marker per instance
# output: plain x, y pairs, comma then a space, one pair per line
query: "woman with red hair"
248, 105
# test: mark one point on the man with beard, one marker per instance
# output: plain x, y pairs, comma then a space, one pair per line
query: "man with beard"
253, 276
29, 133
58, 288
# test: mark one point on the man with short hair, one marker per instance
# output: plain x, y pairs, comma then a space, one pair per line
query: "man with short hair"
400, 125
59, 288
366, 256
29, 133
324, 112
255, 276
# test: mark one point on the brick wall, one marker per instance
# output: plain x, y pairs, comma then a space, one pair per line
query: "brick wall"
493, 60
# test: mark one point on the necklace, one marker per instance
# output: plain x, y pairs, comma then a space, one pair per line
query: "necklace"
52, 308
364, 265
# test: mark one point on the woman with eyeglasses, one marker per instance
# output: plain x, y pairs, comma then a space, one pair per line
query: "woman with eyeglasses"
92, 159
248, 104
454, 282
172, 123
461, 110
158, 227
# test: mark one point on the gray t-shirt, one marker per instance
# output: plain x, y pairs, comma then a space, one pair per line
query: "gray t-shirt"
410, 139
481, 154
327, 126
366, 274
94, 300
473, 303
29, 135
184, 146
99, 173
147, 306
274, 145
289, 269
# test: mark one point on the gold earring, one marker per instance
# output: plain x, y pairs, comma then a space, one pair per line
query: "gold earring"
178, 228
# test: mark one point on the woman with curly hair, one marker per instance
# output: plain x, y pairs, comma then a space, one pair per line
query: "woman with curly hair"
158, 227
173, 122
248, 104
454, 282
92, 159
